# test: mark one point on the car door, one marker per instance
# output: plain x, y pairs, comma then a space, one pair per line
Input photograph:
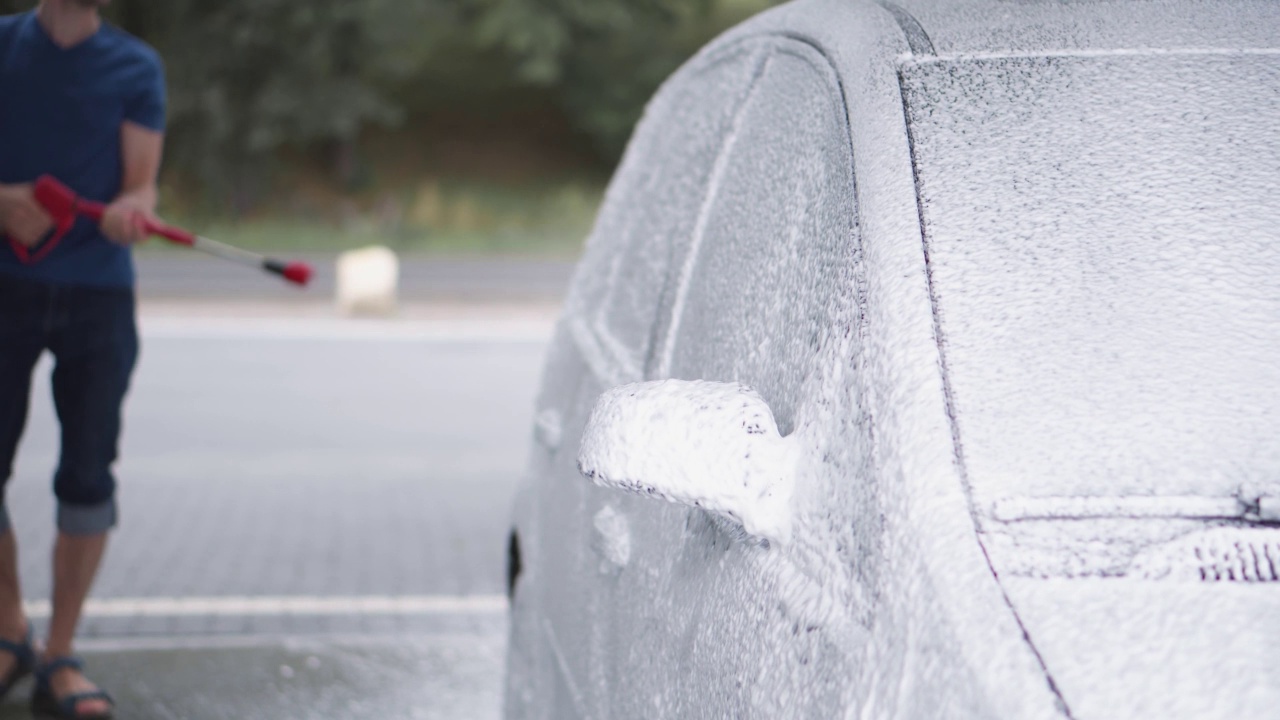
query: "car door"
604, 339
698, 622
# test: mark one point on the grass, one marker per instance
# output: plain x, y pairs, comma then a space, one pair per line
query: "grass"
434, 217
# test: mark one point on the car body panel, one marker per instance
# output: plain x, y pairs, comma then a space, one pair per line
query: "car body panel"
1137, 648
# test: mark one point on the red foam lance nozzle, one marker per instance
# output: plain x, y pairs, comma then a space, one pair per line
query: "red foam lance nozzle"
297, 273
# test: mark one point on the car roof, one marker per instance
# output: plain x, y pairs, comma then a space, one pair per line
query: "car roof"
963, 27
1000, 27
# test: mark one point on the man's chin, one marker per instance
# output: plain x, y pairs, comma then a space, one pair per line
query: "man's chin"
90, 4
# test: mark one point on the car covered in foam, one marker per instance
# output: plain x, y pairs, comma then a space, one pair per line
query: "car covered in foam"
922, 364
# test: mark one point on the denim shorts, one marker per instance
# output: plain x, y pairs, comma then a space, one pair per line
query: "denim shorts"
92, 335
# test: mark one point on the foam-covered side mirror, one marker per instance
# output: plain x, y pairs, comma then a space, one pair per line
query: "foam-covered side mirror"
708, 445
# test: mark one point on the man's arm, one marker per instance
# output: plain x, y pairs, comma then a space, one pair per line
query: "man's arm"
141, 150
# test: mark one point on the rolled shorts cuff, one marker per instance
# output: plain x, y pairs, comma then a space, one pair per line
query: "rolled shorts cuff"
87, 519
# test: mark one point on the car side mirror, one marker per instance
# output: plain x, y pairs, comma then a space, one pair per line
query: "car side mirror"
707, 445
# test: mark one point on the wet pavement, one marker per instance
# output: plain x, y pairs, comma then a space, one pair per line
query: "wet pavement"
445, 677
168, 273
314, 515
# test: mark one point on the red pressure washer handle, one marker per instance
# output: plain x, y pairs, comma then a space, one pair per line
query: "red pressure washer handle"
60, 203
63, 205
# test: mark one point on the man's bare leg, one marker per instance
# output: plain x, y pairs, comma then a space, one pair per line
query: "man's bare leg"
75, 563
13, 621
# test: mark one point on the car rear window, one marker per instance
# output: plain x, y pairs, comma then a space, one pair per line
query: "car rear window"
1103, 239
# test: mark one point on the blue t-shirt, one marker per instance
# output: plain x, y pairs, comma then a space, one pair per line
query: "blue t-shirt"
60, 113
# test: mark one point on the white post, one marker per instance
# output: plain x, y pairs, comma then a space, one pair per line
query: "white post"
368, 281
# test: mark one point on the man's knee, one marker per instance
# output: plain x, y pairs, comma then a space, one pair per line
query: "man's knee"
86, 500
87, 519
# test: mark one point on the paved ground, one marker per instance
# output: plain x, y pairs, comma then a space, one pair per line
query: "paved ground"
180, 274
417, 677
314, 511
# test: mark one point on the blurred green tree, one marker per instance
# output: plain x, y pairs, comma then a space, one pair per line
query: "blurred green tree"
605, 58
250, 78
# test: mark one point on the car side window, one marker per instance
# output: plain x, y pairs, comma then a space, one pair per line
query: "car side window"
777, 241
651, 207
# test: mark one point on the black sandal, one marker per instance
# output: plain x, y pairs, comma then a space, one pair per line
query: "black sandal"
24, 661
45, 704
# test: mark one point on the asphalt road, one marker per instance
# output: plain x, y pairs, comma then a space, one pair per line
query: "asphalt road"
415, 677
341, 484
187, 275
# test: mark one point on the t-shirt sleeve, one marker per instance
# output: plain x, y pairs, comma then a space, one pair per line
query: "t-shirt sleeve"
147, 106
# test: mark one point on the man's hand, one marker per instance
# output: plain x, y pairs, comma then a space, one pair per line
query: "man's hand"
21, 217
125, 221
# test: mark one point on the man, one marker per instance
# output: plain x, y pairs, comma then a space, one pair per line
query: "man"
83, 102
